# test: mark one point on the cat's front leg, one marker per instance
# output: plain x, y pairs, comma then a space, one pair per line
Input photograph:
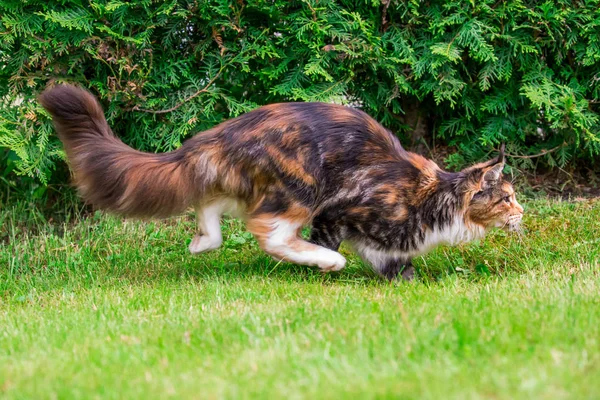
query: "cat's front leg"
326, 233
386, 263
395, 267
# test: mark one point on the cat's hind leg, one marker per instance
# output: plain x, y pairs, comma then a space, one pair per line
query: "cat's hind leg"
209, 228
279, 236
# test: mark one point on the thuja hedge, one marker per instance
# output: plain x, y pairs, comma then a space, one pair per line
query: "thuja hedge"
469, 74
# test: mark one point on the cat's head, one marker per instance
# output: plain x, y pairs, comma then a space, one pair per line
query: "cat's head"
489, 198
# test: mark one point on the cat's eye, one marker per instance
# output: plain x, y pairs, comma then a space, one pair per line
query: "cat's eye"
506, 199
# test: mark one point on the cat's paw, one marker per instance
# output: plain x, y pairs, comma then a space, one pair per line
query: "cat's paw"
331, 261
408, 274
201, 244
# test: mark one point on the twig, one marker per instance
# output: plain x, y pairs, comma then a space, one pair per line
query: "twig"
543, 153
386, 4
175, 107
312, 10
40, 39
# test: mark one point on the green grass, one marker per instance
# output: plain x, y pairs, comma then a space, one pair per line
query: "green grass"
104, 308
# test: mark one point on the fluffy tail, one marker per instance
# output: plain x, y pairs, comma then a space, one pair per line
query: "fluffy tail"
109, 174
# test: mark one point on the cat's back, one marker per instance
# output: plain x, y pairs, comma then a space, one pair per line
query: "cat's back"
315, 131
297, 149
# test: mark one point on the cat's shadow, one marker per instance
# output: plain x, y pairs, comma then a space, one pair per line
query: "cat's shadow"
261, 266
252, 266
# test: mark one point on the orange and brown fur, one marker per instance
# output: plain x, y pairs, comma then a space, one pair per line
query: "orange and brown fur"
285, 166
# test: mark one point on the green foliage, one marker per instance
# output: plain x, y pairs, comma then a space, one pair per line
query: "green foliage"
480, 73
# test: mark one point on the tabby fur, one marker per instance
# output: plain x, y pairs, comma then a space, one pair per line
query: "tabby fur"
285, 166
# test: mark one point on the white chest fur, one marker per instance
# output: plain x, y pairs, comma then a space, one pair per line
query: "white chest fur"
453, 234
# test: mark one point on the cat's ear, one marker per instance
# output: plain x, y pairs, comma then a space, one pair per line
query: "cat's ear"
500, 158
485, 175
491, 175
492, 171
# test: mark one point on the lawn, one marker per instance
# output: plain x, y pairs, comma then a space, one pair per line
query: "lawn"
99, 307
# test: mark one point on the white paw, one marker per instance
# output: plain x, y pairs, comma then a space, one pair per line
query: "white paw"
203, 243
331, 261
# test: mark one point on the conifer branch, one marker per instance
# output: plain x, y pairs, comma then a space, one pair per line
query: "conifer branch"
193, 96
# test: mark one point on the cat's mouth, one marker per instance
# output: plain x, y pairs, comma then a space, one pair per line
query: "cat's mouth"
513, 223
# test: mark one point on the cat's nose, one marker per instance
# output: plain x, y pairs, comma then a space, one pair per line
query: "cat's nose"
519, 208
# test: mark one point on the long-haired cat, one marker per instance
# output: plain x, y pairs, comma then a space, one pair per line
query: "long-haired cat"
285, 166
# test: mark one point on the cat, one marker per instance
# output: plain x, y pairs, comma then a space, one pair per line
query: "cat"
285, 166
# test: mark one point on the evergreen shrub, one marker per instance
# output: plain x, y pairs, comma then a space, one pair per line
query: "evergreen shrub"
470, 74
